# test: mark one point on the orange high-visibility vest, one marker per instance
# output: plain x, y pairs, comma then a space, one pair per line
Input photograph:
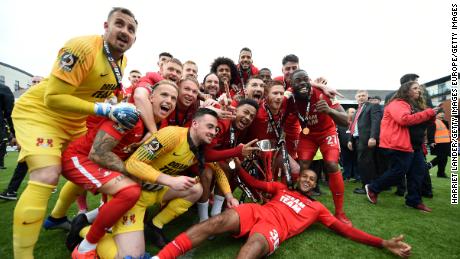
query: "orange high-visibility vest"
442, 133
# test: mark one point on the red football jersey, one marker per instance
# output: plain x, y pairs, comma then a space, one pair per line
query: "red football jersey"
83, 144
246, 74
317, 122
180, 118
292, 211
222, 139
261, 127
150, 79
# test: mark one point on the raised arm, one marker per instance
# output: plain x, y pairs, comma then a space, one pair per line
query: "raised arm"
269, 187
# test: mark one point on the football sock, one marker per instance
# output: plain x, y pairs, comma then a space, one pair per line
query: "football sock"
91, 215
67, 196
112, 211
179, 246
28, 218
107, 247
203, 212
337, 189
174, 209
217, 205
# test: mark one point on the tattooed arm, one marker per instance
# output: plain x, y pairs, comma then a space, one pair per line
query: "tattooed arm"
101, 152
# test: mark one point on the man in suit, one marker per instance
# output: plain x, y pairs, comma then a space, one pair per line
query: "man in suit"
364, 134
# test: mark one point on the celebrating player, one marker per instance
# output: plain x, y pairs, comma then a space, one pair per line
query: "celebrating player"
87, 71
287, 214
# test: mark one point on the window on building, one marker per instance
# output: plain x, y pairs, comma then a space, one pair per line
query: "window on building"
432, 90
442, 88
16, 85
2, 79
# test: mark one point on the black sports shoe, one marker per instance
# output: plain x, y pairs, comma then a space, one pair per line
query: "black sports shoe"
159, 238
11, 196
359, 191
73, 237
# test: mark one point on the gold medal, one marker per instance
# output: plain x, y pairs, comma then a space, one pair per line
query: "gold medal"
305, 131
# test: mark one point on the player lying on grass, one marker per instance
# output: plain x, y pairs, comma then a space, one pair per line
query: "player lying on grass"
287, 214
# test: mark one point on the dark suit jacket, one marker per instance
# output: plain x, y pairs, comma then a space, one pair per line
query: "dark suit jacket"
6, 107
368, 123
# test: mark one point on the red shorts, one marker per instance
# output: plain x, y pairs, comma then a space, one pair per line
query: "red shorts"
328, 144
85, 173
256, 219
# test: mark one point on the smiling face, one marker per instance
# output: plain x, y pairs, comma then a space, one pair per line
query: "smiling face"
171, 71
134, 77
265, 75
245, 59
301, 84
245, 114
204, 128
275, 97
120, 33
224, 73
190, 70
188, 93
306, 181
163, 99
288, 69
211, 85
255, 89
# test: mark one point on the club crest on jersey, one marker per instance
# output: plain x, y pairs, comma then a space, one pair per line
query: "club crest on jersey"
128, 219
41, 142
153, 146
68, 60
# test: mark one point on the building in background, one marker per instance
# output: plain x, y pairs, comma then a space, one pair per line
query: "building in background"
349, 96
439, 89
16, 79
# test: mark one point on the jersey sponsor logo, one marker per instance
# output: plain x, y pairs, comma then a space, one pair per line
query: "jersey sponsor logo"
68, 60
312, 119
153, 146
295, 204
173, 167
105, 91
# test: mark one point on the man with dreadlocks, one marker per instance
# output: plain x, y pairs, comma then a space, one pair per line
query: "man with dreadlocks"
226, 71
